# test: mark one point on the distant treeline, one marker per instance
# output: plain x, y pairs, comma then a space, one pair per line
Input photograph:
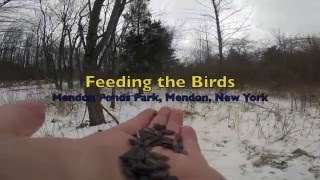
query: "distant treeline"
278, 66
53, 46
13, 72
292, 64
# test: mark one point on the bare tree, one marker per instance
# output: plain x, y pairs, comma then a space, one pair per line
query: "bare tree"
94, 46
223, 14
288, 43
74, 44
242, 45
64, 12
204, 44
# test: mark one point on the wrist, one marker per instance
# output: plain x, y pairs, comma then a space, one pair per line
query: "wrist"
69, 159
58, 156
213, 174
92, 160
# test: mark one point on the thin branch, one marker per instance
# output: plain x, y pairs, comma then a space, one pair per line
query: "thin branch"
4, 3
239, 28
112, 116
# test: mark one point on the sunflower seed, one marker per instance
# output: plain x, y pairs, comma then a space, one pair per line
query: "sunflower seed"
142, 164
159, 175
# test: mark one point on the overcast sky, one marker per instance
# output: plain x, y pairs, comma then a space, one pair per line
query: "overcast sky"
289, 16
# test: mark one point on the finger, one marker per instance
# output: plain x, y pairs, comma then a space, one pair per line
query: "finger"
162, 117
22, 119
175, 121
190, 141
141, 121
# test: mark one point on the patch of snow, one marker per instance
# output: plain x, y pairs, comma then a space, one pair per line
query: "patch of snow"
234, 137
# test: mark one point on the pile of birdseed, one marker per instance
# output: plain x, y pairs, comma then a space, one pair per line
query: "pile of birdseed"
139, 163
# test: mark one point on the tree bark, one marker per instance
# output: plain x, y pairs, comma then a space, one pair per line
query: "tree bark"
95, 111
94, 49
94, 108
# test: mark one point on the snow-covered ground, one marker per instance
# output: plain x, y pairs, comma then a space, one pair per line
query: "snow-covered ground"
241, 140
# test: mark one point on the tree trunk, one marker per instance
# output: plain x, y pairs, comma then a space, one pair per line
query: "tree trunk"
78, 69
94, 108
219, 32
113, 102
70, 81
71, 53
52, 70
94, 49
61, 58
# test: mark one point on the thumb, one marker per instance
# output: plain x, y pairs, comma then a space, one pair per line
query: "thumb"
21, 119
190, 141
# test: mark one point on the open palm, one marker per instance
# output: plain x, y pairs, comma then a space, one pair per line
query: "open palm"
93, 157
192, 166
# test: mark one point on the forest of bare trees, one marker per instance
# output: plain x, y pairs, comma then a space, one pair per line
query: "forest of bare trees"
66, 40
63, 41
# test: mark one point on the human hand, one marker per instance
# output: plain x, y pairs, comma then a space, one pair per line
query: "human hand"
22, 157
114, 142
102, 150
190, 166
93, 157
